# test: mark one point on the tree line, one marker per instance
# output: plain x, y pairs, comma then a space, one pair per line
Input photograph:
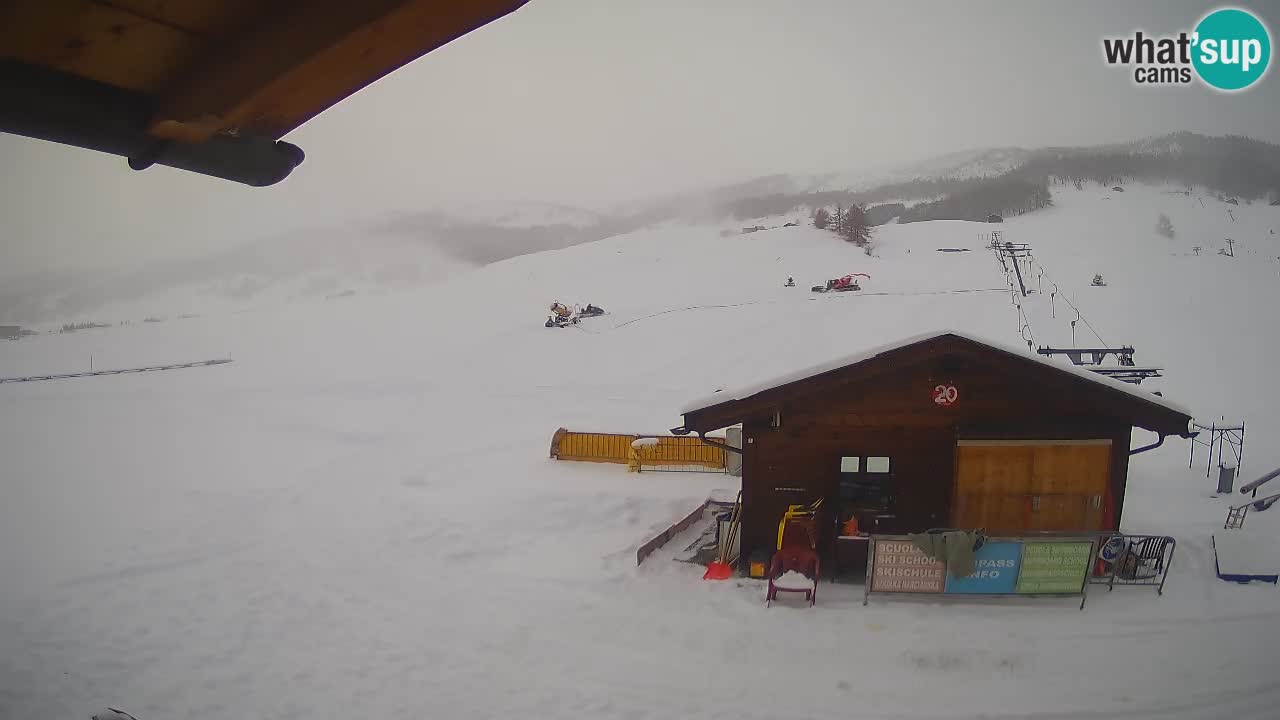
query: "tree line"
1232, 164
1004, 196
1235, 165
850, 223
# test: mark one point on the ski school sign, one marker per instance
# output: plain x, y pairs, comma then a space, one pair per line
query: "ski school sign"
1028, 567
1229, 50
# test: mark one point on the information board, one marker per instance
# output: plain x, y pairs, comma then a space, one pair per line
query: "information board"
1002, 566
899, 566
1054, 567
995, 570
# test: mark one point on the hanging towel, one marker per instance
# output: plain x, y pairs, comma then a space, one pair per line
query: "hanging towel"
930, 544
955, 549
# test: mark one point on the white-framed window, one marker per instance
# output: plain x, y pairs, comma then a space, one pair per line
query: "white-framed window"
877, 464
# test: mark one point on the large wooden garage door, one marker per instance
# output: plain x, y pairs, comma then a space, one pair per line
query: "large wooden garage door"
1013, 486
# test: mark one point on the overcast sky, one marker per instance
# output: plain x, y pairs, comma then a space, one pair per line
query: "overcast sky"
599, 102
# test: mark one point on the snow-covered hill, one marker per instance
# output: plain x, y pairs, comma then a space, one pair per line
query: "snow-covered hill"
358, 514
984, 163
521, 215
1200, 152
420, 247
390, 254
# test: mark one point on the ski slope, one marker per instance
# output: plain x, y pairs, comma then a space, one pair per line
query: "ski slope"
358, 517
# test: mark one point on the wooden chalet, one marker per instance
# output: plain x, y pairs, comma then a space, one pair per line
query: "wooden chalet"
941, 430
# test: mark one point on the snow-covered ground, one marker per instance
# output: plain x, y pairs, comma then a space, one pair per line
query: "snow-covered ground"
358, 516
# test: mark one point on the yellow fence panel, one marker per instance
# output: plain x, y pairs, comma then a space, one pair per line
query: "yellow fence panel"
592, 447
664, 453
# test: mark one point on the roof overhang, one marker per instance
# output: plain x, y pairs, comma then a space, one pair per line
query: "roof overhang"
729, 406
208, 86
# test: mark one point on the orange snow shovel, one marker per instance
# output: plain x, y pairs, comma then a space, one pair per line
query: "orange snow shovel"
720, 569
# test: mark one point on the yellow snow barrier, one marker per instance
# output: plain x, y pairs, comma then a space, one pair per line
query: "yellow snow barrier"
591, 447
666, 452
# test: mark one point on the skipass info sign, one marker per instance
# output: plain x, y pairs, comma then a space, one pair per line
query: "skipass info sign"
1001, 567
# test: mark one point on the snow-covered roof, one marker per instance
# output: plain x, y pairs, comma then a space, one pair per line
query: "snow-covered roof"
724, 395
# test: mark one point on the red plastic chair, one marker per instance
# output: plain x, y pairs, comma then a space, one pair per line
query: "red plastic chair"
800, 559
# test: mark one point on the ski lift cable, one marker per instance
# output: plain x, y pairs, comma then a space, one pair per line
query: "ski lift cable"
1025, 330
1067, 300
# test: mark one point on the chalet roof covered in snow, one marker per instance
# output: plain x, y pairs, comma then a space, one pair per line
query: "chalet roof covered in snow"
748, 391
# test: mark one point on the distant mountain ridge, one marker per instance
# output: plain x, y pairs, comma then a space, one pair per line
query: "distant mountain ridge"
425, 246
1229, 164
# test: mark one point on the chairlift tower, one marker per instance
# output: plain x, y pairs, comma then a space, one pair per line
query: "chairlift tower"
1015, 252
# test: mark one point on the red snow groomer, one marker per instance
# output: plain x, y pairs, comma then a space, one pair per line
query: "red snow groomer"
844, 284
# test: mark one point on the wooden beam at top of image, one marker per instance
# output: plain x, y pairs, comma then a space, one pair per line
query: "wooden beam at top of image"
95, 41
274, 75
203, 18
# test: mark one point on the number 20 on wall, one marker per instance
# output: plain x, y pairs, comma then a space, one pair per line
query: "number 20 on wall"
945, 395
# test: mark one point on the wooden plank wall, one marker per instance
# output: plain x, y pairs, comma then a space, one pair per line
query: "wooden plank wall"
1031, 485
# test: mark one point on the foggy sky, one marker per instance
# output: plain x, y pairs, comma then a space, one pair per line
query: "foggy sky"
600, 102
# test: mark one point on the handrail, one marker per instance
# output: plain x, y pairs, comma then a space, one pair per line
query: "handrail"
1237, 513
1265, 502
1253, 486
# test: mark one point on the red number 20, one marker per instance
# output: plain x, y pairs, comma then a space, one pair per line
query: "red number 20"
945, 394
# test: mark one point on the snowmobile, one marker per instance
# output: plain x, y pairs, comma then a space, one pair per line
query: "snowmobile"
557, 321
1098, 281
791, 282
844, 284
561, 316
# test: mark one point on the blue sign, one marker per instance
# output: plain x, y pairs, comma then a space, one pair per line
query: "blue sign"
995, 571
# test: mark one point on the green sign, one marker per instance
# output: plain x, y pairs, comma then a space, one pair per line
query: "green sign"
1054, 567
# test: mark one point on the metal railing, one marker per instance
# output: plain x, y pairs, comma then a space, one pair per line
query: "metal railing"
118, 371
1133, 560
1237, 513
1253, 486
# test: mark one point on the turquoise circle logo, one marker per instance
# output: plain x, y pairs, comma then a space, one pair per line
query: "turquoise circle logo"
1232, 49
